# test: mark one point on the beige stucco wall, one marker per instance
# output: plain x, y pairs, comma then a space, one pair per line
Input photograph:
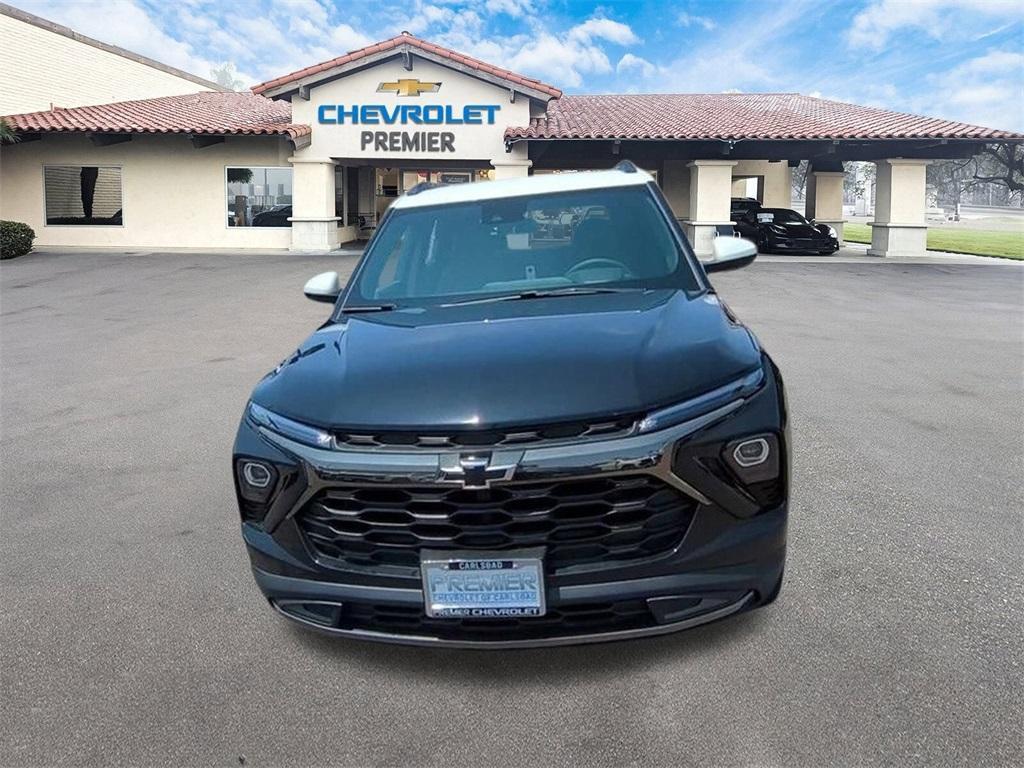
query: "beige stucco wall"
173, 195
776, 181
41, 68
675, 184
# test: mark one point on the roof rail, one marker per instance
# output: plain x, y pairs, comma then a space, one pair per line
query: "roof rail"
626, 166
423, 186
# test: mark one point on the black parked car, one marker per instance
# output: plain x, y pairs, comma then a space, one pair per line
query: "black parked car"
741, 206
786, 231
273, 217
506, 436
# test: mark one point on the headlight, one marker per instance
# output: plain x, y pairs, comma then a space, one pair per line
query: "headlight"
697, 406
294, 430
832, 233
777, 229
256, 480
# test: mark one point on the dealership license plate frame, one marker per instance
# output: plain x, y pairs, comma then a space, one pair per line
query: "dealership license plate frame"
467, 568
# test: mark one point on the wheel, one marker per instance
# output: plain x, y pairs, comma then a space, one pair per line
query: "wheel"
770, 598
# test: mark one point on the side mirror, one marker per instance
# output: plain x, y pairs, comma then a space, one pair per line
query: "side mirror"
325, 287
731, 253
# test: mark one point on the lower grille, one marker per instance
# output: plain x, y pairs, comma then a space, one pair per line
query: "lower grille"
565, 621
577, 521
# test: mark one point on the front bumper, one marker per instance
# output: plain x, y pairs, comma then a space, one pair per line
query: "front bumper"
711, 609
802, 245
729, 559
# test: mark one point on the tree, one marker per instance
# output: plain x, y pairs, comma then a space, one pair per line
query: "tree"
239, 175
798, 179
1001, 164
997, 165
224, 76
856, 178
950, 178
7, 133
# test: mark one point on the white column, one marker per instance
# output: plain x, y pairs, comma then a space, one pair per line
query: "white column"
314, 225
512, 165
675, 185
710, 190
825, 199
899, 229
778, 185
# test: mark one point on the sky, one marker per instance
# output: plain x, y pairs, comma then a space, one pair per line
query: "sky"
956, 59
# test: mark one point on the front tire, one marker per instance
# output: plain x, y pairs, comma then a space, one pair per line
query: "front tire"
773, 595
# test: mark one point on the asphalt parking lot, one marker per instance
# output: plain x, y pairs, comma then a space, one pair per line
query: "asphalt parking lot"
132, 633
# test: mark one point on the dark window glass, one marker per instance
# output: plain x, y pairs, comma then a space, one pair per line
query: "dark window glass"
779, 216
83, 195
259, 197
612, 237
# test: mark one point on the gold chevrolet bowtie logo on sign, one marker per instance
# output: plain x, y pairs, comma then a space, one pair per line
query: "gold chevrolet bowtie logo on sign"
409, 87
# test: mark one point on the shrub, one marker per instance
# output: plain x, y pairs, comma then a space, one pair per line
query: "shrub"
15, 239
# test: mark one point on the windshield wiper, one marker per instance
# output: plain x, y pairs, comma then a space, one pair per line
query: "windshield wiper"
353, 309
555, 292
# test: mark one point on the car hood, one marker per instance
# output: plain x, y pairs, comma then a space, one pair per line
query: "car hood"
511, 363
801, 230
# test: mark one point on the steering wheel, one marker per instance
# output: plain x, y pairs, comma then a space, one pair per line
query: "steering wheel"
598, 263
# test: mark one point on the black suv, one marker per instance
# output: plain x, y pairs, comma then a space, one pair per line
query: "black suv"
529, 420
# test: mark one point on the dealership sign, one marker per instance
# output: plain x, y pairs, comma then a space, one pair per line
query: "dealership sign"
407, 114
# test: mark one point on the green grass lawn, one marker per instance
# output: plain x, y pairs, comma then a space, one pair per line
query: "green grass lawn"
1008, 245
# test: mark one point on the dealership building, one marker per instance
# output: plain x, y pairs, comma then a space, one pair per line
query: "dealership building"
311, 160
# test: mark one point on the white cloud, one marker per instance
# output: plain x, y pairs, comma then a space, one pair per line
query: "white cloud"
987, 90
733, 57
939, 19
513, 8
127, 24
690, 20
629, 64
565, 59
345, 38
604, 29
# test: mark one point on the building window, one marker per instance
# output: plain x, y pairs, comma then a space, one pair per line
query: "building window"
259, 197
83, 195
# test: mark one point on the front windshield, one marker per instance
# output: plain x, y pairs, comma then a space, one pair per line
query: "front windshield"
553, 242
780, 216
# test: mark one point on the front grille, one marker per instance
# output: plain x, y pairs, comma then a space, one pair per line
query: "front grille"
577, 521
574, 430
564, 621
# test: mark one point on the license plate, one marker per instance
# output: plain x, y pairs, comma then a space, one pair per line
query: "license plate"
461, 585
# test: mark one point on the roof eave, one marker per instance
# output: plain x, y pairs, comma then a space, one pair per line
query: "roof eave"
291, 87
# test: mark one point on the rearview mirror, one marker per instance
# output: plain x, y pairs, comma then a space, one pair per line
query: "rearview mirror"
730, 253
324, 287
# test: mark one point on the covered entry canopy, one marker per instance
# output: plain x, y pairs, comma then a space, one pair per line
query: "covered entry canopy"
755, 126
699, 143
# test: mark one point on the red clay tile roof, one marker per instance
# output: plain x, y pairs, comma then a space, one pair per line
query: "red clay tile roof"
757, 116
415, 42
197, 113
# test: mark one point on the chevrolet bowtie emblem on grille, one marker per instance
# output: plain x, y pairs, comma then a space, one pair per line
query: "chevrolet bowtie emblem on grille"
410, 87
477, 470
